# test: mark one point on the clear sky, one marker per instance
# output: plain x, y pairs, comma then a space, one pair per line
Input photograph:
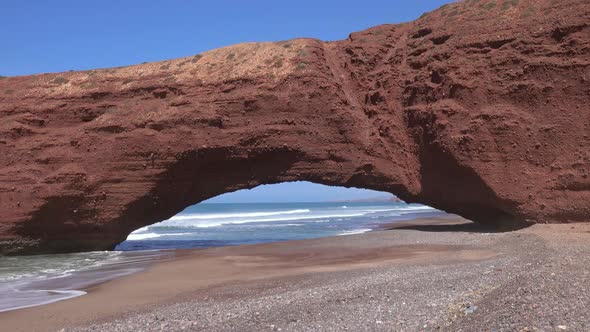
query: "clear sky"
51, 36
59, 35
296, 192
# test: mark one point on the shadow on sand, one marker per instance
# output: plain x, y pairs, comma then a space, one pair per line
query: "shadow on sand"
451, 225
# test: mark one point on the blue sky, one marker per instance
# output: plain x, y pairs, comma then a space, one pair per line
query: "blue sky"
59, 35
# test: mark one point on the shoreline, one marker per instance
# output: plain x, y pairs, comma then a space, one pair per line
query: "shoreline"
432, 277
38, 291
277, 259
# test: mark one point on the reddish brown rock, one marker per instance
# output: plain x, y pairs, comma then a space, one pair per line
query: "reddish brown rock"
480, 108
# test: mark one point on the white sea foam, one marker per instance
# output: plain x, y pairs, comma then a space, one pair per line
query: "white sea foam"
404, 208
278, 225
355, 231
236, 215
200, 223
32, 298
205, 220
143, 229
142, 236
35, 280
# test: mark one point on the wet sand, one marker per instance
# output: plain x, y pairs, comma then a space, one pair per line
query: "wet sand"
404, 278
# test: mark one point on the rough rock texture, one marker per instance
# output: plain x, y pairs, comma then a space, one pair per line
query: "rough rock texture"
480, 108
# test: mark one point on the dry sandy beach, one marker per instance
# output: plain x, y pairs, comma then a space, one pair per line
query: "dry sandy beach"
428, 275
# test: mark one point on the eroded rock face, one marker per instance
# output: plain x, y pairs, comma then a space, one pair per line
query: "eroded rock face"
479, 108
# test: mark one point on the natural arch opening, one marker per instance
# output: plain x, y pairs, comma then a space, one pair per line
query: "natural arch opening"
277, 212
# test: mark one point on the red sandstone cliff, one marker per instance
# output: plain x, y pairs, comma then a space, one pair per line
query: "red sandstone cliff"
480, 108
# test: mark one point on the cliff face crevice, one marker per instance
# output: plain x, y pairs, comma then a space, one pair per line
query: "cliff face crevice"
476, 109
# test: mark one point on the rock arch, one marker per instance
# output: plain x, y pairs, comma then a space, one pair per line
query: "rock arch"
486, 117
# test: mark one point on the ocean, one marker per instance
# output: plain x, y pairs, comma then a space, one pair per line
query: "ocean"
34, 280
27, 281
227, 224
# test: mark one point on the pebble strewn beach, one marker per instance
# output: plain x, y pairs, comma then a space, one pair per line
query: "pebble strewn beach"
441, 279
